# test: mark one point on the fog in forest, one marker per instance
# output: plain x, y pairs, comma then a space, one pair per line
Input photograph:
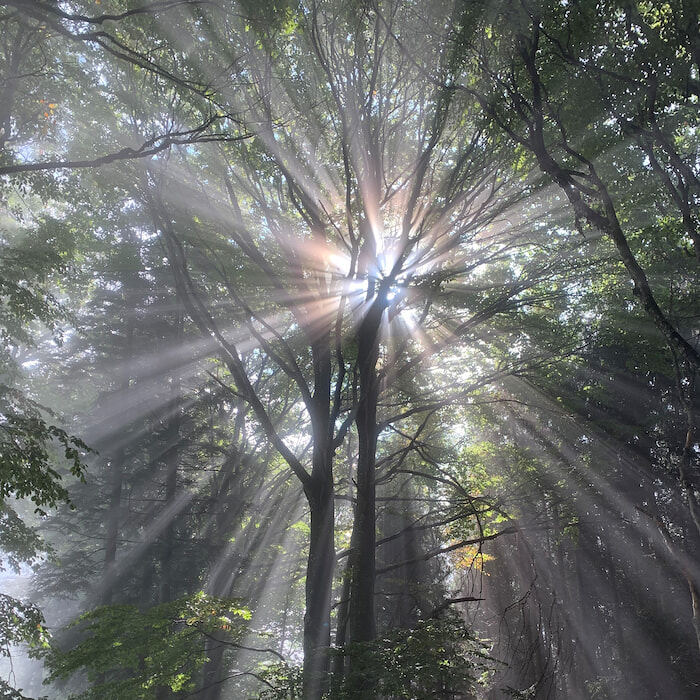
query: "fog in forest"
350, 349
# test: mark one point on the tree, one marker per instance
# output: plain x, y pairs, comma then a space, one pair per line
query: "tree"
392, 245
580, 149
32, 446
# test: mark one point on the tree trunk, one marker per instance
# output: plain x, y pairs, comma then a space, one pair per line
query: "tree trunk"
362, 622
172, 455
321, 563
116, 478
319, 577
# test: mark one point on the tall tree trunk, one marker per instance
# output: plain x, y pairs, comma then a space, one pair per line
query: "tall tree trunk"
321, 562
319, 577
172, 454
116, 478
341, 630
113, 518
362, 622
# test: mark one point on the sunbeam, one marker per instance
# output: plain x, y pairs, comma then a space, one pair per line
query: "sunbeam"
350, 349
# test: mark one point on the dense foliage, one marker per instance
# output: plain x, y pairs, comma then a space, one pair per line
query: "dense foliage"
350, 349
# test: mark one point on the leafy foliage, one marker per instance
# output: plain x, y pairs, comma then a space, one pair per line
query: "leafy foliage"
524, 384
26, 468
26, 433
21, 543
128, 653
282, 681
435, 658
29, 439
19, 623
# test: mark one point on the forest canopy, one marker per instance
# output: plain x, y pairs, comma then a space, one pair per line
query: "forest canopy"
350, 349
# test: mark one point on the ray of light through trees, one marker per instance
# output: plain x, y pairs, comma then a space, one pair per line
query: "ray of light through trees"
350, 349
